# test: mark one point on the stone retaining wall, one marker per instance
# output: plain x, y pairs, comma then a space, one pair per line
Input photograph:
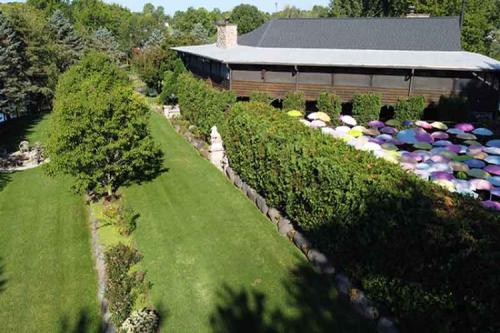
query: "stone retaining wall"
356, 297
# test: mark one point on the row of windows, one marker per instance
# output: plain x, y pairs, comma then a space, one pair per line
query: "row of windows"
355, 80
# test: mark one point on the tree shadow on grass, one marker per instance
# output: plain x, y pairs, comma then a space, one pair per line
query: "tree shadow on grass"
83, 324
17, 130
4, 179
3, 279
312, 305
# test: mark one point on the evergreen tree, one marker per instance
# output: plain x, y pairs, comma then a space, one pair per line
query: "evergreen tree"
14, 82
103, 40
200, 33
156, 38
71, 47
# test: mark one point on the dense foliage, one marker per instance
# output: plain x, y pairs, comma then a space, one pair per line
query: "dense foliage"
330, 104
70, 46
202, 105
248, 18
170, 81
259, 96
427, 254
99, 130
120, 281
453, 107
294, 100
410, 109
366, 107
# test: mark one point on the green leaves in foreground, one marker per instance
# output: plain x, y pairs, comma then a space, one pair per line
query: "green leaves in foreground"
99, 131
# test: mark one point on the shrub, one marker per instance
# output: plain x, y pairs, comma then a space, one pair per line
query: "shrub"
330, 104
294, 100
127, 221
120, 282
366, 107
453, 108
144, 321
410, 109
425, 253
260, 96
170, 79
201, 104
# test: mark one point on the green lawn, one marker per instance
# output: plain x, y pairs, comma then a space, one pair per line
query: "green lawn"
215, 261
49, 282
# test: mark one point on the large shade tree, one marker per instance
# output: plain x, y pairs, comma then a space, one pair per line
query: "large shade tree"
247, 17
99, 129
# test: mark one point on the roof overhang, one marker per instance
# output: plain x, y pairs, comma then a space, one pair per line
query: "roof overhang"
425, 60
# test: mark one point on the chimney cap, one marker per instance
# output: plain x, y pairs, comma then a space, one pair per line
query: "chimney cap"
225, 22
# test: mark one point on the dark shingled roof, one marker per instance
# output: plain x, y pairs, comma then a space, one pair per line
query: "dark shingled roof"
419, 34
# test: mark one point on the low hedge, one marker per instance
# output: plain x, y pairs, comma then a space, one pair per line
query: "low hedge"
294, 100
330, 104
366, 107
428, 255
201, 104
410, 109
260, 96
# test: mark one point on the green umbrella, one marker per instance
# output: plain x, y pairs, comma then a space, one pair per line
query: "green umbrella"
294, 113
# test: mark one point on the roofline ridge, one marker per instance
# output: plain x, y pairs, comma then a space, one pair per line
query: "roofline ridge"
269, 24
364, 18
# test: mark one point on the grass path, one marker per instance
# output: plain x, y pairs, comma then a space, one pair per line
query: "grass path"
50, 282
215, 262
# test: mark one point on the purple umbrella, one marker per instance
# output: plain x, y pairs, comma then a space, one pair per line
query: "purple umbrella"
442, 143
491, 205
441, 175
423, 136
376, 124
464, 127
377, 141
440, 135
493, 169
454, 148
439, 159
389, 130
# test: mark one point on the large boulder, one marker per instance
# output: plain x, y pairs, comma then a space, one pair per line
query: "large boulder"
261, 204
284, 226
274, 215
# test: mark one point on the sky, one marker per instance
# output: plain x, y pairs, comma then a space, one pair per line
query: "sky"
171, 6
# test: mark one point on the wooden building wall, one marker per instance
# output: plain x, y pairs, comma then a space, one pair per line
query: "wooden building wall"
391, 84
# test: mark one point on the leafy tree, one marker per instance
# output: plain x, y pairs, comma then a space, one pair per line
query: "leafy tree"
200, 33
99, 129
185, 21
14, 82
70, 44
49, 6
495, 44
247, 17
103, 40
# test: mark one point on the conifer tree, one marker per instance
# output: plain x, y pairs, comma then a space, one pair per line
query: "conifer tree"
14, 81
103, 40
71, 46
200, 33
156, 38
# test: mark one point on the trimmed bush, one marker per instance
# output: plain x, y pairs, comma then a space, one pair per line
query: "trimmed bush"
330, 104
425, 253
120, 282
294, 100
170, 79
144, 321
260, 96
202, 105
366, 107
410, 109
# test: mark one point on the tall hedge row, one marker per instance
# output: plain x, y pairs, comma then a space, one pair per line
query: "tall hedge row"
201, 104
430, 256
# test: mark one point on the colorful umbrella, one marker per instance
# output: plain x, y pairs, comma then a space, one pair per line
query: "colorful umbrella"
393, 122
491, 205
389, 130
466, 127
440, 135
439, 125
423, 124
481, 184
493, 160
493, 169
348, 120
318, 124
466, 136
455, 131
376, 124
477, 164
442, 143
495, 181
294, 113
459, 166
492, 150
319, 116
493, 143
478, 173
482, 132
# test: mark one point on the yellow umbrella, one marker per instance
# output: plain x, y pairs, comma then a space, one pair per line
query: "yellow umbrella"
294, 113
323, 116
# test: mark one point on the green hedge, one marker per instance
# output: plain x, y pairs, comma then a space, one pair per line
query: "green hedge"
330, 104
366, 107
201, 104
453, 108
428, 255
410, 109
294, 100
260, 96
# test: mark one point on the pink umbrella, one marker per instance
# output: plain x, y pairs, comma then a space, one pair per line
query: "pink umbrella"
493, 169
481, 184
423, 124
464, 127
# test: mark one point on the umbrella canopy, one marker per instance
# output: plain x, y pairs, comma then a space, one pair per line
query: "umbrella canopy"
348, 120
459, 166
439, 125
466, 127
493, 169
294, 113
492, 150
481, 184
376, 124
491, 205
440, 135
482, 132
319, 116
389, 130
493, 143
423, 136
466, 136
318, 124
423, 145
408, 136
477, 164
478, 173
393, 122
493, 160
455, 131
423, 124
495, 181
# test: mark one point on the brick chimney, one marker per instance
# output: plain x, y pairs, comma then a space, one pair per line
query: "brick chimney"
227, 35
412, 13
